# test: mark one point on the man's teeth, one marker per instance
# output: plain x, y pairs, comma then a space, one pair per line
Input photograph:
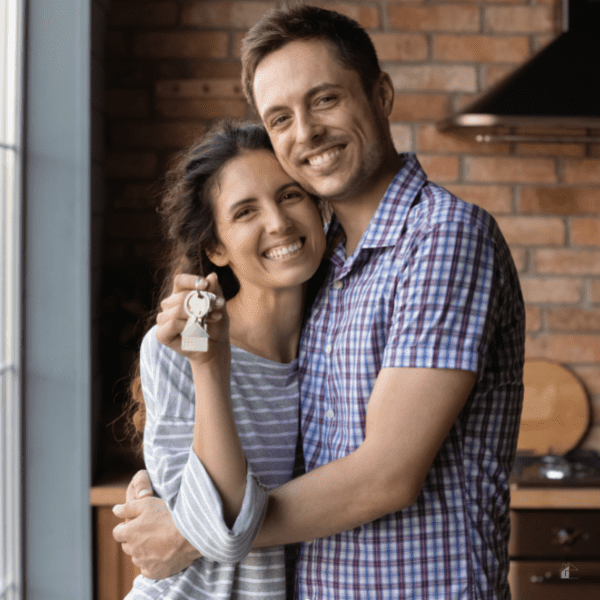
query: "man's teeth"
316, 161
284, 251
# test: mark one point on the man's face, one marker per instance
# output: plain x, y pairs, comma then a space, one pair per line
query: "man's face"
328, 135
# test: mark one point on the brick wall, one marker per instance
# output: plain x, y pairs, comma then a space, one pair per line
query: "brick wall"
172, 68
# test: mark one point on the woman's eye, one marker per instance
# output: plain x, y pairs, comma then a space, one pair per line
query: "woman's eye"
291, 196
242, 213
277, 121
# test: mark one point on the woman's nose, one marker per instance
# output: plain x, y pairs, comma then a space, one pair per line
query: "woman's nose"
277, 219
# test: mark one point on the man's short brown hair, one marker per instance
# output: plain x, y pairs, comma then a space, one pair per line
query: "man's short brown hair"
295, 21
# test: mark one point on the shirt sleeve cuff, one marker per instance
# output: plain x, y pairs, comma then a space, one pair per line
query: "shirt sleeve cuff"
198, 514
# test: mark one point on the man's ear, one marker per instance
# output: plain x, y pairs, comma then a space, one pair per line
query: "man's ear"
384, 90
217, 256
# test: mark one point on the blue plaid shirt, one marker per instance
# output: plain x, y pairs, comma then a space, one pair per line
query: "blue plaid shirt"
431, 284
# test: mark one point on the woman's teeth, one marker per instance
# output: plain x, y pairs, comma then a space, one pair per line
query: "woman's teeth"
284, 251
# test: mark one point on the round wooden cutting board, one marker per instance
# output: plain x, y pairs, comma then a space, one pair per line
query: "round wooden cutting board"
556, 411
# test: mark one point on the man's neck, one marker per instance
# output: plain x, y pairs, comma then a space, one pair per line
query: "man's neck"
355, 213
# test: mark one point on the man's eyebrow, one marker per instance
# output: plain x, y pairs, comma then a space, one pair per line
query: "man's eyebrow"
317, 89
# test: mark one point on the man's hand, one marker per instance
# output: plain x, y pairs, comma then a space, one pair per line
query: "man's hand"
150, 537
139, 487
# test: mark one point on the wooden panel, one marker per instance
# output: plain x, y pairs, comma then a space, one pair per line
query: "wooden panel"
114, 570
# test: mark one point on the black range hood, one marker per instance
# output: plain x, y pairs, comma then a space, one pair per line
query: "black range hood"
557, 88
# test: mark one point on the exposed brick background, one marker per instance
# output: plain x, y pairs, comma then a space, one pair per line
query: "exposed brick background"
172, 68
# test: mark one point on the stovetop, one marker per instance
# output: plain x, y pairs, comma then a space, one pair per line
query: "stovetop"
578, 468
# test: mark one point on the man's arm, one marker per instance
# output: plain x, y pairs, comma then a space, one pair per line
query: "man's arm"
410, 413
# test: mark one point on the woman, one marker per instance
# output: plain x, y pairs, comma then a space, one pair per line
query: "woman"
236, 221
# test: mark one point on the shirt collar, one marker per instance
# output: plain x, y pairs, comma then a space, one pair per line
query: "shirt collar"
387, 223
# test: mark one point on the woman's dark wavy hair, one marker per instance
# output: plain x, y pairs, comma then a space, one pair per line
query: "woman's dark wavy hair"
296, 21
188, 219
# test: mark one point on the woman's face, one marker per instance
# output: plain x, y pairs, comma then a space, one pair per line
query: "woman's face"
270, 231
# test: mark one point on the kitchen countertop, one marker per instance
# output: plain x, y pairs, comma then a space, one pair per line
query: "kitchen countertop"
522, 498
110, 490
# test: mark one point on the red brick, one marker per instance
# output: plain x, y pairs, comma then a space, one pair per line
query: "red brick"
595, 291
533, 319
402, 137
128, 103
590, 375
237, 15
555, 290
400, 46
215, 69
519, 19
584, 171
451, 78
131, 165
563, 348
504, 169
429, 139
573, 262
443, 17
420, 107
440, 169
496, 73
133, 226
533, 231
574, 319
559, 201
550, 149
367, 16
155, 135
496, 199
519, 256
585, 232
137, 73
189, 108
181, 44
138, 13
199, 88
134, 196
481, 48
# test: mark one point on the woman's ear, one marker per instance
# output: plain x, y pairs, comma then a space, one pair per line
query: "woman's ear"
218, 256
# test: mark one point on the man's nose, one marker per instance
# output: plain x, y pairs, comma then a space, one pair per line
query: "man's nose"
308, 128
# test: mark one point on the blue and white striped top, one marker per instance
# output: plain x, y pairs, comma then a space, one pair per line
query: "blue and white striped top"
265, 399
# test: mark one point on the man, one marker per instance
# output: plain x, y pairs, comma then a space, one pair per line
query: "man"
411, 361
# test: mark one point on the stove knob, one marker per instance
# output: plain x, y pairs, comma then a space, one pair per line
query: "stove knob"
567, 536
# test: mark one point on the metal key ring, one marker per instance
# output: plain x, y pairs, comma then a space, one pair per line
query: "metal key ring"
198, 304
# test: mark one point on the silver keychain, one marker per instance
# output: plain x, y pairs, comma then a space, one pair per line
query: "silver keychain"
197, 305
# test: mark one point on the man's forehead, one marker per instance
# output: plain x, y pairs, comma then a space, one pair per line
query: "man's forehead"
297, 69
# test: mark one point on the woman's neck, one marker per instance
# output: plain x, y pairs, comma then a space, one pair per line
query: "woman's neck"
267, 322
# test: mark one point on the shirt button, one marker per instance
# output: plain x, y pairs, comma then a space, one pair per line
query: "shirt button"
338, 285
330, 414
328, 348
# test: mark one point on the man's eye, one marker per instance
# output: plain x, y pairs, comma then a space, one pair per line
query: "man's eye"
326, 99
296, 195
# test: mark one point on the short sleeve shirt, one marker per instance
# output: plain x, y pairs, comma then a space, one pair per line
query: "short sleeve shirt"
431, 284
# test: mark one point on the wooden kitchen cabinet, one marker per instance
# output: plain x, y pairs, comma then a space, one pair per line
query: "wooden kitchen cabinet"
113, 570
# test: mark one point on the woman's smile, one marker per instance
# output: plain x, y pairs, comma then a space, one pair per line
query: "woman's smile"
269, 228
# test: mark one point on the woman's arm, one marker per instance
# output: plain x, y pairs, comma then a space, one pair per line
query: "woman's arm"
215, 441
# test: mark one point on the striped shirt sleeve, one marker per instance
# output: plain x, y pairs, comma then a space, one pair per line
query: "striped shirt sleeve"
177, 474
